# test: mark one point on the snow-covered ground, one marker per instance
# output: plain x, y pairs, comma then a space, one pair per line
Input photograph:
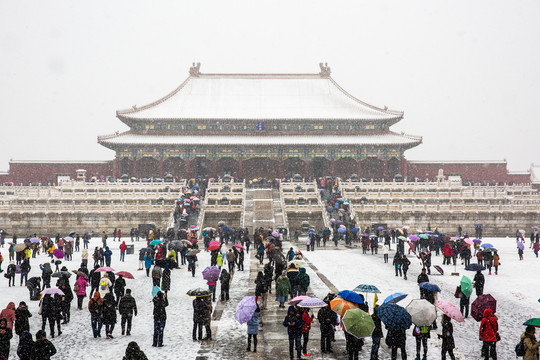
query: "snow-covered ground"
77, 342
515, 288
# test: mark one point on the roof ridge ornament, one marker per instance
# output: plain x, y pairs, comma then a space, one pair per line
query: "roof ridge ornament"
325, 69
195, 70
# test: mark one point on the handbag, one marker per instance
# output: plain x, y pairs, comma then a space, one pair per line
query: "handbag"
76, 287
497, 334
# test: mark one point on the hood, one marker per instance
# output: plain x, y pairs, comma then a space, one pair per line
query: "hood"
11, 306
488, 312
291, 308
447, 245
123, 243
302, 271
3, 323
106, 248
96, 295
26, 337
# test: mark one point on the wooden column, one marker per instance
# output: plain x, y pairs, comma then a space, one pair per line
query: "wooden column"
280, 168
116, 167
161, 167
240, 171
134, 167
359, 168
188, 168
214, 168
306, 168
385, 169
332, 166
403, 167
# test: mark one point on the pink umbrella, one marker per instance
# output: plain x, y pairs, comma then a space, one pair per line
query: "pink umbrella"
451, 310
104, 268
297, 299
58, 253
215, 242
312, 303
455, 238
239, 246
52, 291
468, 241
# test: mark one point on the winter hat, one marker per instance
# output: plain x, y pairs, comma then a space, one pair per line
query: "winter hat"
41, 335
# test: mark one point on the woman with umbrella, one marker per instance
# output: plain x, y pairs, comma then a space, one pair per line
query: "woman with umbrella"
199, 314
530, 343
253, 329
148, 260
80, 289
447, 337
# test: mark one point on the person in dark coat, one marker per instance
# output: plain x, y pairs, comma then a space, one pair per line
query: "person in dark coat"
240, 260
134, 352
119, 288
51, 311
405, 266
10, 273
199, 314
25, 270
293, 322
43, 349
423, 277
376, 335
225, 279
478, 283
63, 284
95, 308
5, 336
127, 308
94, 277
26, 343
22, 315
353, 346
397, 263
327, 319
109, 314
447, 337
34, 287
160, 318
396, 339
166, 279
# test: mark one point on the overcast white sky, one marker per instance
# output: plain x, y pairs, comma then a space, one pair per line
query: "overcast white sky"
466, 73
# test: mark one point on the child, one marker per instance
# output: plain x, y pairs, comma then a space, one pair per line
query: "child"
253, 329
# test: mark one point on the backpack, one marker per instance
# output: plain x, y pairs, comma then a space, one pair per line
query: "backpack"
103, 285
520, 348
94, 307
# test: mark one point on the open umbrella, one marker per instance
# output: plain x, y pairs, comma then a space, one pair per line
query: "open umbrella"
486, 245
475, 267
423, 313
71, 233
245, 309
240, 246
351, 296
413, 238
69, 238
395, 298
155, 242
477, 241
358, 323
35, 240
451, 310
186, 242
341, 231
340, 306
19, 247
214, 246
198, 292
380, 228
59, 254
297, 299
429, 286
80, 273
146, 250
104, 268
215, 242
423, 236
466, 286
275, 234
402, 238
125, 275
394, 316
534, 322
468, 241
52, 291
311, 303
482, 303
520, 245
211, 273
155, 290
193, 252
367, 288
193, 240
491, 249
59, 274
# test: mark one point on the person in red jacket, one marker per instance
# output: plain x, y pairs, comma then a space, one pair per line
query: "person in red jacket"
9, 314
489, 329
122, 250
447, 253
307, 319
119, 234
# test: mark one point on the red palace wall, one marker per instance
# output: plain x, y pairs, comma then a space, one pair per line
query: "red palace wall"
42, 172
476, 172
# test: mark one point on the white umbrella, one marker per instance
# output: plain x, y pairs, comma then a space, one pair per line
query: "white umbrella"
423, 313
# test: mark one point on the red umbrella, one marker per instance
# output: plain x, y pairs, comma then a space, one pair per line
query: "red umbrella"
193, 241
213, 247
482, 303
125, 274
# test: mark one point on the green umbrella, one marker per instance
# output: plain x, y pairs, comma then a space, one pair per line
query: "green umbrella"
492, 249
402, 238
466, 286
423, 236
533, 321
358, 323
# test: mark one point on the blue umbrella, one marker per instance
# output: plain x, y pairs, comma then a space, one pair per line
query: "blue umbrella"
225, 228
395, 298
341, 230
355, 230
351, 296
394, 316
155, 242
155, 290
475, 267
486, 245
367, 288
429, 286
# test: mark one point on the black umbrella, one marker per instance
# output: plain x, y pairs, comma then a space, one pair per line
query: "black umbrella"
146, 250
198, 292
61, 273
475, 267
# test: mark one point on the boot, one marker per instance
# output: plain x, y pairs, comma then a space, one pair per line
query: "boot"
123, 332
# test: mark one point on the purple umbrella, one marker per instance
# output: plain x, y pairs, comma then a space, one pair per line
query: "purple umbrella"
58, 253
35, 240
520, 245
298, 299
535, 228
245, 309
339, 222
275, 234
477, 241
311, 303
52, 291
413, 238
211, 273
104, 268
333, 221
380, 228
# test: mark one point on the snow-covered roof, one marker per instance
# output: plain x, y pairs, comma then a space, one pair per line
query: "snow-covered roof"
71, 162
456, 162
388, 138
259, 96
